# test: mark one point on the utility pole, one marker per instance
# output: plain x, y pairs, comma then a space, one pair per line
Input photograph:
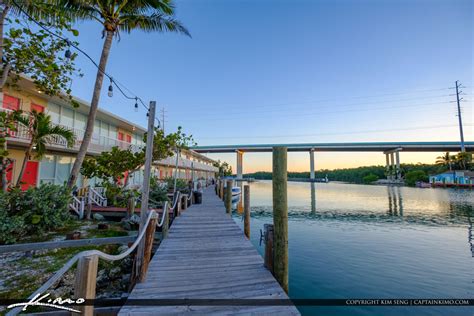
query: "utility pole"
163, 113
146, 185
458, 100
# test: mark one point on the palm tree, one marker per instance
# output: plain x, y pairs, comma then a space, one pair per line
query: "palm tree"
116, 16
445, 160
42, 132
463, 159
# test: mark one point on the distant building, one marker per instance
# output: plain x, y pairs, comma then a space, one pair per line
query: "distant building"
109, 130
453, 178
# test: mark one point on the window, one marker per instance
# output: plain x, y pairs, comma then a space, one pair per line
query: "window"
36, 107
47, 169
10, 102
63, 169
80, 121
54, 111
67, 117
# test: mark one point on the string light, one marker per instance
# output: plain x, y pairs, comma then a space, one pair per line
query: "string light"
68, 54
111, 88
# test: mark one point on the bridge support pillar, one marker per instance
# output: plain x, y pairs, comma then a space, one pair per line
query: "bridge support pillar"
392, 166
240, 162
311, 164
397, 161
387, 165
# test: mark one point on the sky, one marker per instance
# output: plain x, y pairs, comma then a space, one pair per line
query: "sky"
281, 71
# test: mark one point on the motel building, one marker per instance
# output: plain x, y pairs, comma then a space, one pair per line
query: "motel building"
109, 131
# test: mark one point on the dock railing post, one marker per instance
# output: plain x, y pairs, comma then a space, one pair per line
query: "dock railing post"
222, 190
166, 223
280, 215
247, 211
85, 282
149, 239
269, 250
228, 197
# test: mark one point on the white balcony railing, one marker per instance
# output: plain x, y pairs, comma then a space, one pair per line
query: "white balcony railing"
98, 144
185, 163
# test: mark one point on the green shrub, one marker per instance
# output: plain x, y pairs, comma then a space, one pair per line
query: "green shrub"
118, 196
158, 192
181, 184
370, 178
33, 212
412, 177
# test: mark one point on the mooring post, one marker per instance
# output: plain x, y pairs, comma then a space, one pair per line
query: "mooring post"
130, 206
85, 282
166, 224
269, 249
228, 197
247, 211
222, 190
149, 239
280, 215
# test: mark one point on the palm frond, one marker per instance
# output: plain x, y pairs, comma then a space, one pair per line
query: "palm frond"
152, 23
63, 132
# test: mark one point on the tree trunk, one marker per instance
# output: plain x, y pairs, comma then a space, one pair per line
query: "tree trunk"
23, 165
93, 110
4, 70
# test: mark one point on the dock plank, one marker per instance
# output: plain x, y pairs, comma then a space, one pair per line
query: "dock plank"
206, 256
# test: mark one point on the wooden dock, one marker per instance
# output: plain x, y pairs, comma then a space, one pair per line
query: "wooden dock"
206, 256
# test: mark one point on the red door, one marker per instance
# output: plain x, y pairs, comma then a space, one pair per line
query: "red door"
30, 176
129, 138
120, 136
10, 102
36, 107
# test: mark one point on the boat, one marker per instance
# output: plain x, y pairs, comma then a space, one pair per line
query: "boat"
421, 184
236, 192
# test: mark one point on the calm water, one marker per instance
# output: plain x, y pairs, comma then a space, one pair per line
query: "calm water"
358, 241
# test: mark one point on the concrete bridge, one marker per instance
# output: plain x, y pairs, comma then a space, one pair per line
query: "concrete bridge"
390, 149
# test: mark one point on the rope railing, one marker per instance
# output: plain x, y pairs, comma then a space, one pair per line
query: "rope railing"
165, 210
88, 253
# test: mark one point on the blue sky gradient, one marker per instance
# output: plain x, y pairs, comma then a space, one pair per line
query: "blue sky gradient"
299, 71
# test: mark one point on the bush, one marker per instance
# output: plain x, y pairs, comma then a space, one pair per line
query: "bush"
158, 192
118, 196
414, 176
33, 212
181, 185
370, 178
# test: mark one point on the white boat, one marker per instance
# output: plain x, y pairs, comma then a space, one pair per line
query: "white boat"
236, 192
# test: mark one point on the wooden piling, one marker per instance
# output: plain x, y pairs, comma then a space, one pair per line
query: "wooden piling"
149, 239
130, 207
222, 190
280, 215
228, 197
85, 282
269, 249
247, 211
166, 224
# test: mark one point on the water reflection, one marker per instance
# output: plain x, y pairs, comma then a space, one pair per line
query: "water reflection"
313, 198
395, 201
373, 241
368, 203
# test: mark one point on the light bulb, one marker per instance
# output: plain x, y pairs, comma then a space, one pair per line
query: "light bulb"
111, 89
136, 105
